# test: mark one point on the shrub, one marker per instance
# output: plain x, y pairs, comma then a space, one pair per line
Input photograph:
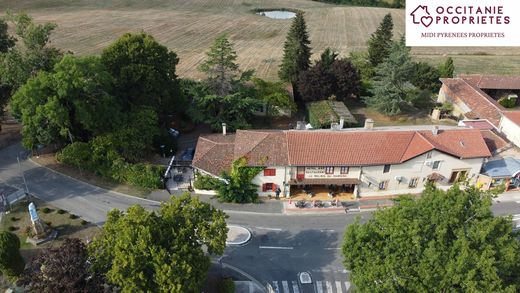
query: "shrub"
226, 286
83, 222
14, 219
11, 262
144, 175
48, 223
507, 102
46, 210
72, 216
61, 212
12, 228
77, 154
28, 231
206, 182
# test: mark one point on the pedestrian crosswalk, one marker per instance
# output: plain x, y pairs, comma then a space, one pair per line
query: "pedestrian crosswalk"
318, 286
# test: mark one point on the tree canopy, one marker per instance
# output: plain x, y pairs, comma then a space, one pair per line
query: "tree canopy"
62, 269
144, 73
446, 69
296, 52
220, 66
11, 261
392, 90
380, 42
274, 95
236, 185
142, 251
442, 241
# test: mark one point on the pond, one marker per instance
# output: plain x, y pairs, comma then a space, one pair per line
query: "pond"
277, 14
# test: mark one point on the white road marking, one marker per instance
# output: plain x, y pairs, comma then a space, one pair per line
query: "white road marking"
516, 217
327, 230
347, 285
276, 247
338, 287
275, 287
270, 229
319, 287
295, 287
329, 287
332, 248
285, 287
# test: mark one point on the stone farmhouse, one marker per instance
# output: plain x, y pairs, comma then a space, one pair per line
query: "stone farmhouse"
365, 162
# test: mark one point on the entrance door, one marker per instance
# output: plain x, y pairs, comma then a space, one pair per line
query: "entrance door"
300, 173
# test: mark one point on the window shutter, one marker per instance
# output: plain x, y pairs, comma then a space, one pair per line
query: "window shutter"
264, 187
274, 187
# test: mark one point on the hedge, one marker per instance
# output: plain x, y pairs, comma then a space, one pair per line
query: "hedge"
507, 102
206, 182
226, 286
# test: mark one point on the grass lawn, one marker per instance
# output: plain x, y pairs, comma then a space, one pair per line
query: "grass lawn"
49, 161
67, 225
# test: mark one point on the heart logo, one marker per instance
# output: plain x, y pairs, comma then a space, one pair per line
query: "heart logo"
426, 20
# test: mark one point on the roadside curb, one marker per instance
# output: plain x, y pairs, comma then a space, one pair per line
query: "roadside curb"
238, 229
248, 276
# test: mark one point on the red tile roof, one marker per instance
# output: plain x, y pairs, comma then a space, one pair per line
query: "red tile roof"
498, 82
479, 124
493, 140
481, 105
215, 153
513, 116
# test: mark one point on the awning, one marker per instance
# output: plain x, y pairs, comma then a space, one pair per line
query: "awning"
338, 181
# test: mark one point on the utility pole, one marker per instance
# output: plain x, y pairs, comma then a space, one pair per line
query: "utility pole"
23, 176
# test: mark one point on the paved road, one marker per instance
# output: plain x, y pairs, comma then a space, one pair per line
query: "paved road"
90, 202
281, 245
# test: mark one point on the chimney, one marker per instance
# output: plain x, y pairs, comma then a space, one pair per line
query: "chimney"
435, 130
300, 125
224, 129
341, 122
369, 123
334, 126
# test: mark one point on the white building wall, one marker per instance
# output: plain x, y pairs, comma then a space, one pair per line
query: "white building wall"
511, 130
415, 168
281, 176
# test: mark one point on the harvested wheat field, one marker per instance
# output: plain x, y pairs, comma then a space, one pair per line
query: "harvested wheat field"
189, 26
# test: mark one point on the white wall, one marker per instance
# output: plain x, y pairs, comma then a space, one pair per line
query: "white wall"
511, 130
416, 167
278, 179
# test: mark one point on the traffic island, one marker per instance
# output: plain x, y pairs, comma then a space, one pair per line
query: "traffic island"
237, 235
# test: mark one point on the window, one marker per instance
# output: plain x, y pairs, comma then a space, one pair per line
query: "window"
269, 172
268, 187
436, 165
429, 155
343, 170
329, 170
386, 169
383, 185
413, 182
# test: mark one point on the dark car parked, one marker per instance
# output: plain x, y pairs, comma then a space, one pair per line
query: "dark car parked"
187, 154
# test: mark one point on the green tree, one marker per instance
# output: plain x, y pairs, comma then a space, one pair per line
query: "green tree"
380, 42
274, 95
442, 241
220, 66
163, 251
144, 73
392, 90
447, 68
328, 57
296, 53
426, 77
316, 83
6, 40
11, 261
236, 185
72, 101
62, 269
236, 110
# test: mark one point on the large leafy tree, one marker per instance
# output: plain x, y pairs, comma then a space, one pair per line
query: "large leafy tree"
296, 52
236, 185
426, 77
62, 269
163, 251
380, 42
348, 80
446, 69
236, 110
392, 90
11, 262
144, 73
220, 66
71, 102
444, 241
6, 43
274, 95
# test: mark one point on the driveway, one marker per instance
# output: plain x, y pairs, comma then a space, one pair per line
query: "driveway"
90, 202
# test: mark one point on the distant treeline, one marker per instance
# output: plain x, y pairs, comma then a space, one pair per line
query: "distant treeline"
376, 3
